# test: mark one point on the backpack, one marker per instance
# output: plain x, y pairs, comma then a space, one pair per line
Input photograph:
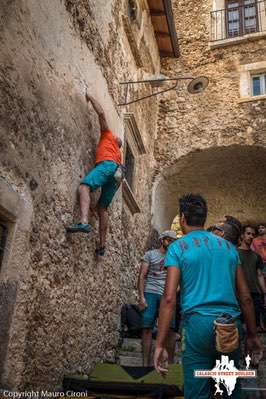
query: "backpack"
131, 321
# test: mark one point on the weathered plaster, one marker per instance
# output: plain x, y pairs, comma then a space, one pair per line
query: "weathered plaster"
51, 51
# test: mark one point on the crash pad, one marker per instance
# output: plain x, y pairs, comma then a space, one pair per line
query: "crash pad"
112, 380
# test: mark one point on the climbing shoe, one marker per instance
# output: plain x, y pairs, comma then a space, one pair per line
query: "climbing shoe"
100, 251
79, 228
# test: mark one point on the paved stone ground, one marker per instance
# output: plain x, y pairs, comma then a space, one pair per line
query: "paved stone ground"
130, 355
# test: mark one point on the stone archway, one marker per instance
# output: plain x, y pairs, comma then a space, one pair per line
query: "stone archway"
232, 179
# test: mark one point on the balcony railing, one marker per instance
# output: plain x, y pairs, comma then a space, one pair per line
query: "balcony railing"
238, 20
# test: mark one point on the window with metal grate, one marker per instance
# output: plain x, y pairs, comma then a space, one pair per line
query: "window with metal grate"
130, 165
241, 17
3, 236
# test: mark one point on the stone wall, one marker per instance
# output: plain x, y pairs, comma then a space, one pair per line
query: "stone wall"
66, 314
62, 306
192, 124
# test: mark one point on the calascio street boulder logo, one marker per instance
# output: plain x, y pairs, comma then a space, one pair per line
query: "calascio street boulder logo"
226, 374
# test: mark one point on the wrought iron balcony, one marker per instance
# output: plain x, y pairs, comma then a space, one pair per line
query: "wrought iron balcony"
239, 18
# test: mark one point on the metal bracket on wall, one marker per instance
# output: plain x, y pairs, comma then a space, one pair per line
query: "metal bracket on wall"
195, 86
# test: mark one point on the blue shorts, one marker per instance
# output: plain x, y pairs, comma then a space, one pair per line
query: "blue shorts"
199, 353
150, 314
102, 175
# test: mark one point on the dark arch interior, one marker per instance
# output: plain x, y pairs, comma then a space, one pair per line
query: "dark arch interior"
232, 179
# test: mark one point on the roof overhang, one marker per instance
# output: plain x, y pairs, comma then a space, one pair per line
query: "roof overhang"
164, 27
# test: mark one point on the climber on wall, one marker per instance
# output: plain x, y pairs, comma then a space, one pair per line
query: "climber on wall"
103, 175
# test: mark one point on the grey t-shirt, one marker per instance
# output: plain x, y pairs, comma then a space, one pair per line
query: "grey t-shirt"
155, 279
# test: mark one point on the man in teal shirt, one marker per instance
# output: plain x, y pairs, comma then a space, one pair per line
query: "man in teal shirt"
211, 283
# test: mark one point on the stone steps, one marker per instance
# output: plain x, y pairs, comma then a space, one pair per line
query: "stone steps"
130, 361
130, 353
131, 344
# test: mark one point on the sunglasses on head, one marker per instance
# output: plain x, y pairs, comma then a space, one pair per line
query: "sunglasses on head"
219, 228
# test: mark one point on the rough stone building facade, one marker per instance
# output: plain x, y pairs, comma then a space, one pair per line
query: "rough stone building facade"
215, 142
59, 308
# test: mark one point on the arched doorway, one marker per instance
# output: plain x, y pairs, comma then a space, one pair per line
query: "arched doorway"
232, 179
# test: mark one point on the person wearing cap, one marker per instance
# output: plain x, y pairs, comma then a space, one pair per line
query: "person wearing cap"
151, 284
231, 227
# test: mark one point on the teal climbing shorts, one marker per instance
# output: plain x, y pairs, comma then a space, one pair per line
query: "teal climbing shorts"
102, 175
151, 312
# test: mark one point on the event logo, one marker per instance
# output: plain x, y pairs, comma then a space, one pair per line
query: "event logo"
225, 373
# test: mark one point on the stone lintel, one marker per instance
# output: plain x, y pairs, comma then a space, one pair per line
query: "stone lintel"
237, 40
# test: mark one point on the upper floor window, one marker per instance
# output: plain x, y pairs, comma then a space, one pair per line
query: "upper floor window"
259, 84
235, 19
241, 17
3, 235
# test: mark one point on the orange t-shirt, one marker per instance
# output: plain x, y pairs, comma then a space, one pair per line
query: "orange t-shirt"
259, 246
108, 148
